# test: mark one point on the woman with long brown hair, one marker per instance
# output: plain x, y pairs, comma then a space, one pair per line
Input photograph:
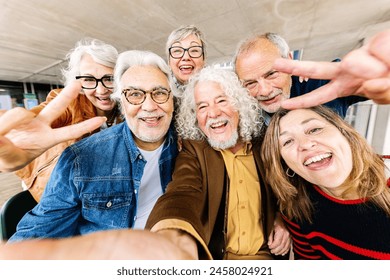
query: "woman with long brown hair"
330, 184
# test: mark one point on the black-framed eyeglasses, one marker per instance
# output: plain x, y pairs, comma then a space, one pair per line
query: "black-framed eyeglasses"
137, 96
178, 52
90, 82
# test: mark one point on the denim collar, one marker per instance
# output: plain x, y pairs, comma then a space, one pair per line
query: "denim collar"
134, 152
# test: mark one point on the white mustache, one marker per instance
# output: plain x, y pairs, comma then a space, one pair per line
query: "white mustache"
149, 115
268, 97
209, 122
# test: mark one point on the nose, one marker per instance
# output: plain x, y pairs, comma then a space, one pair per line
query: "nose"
186, 55
213, 112
149, 105
306, 143
101, 89
265, 87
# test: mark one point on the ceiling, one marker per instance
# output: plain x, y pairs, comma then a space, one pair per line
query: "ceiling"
35, 35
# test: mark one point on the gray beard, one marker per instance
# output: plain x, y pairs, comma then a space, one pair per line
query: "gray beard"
223, 145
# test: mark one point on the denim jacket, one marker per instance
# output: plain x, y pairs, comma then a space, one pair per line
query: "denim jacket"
94, 186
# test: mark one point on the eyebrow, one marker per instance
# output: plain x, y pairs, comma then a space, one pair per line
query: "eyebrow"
264, 75
179, 42
303, 122
155, 88
219, 96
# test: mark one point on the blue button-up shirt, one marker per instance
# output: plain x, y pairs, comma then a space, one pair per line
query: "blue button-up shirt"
339, 105
94, 186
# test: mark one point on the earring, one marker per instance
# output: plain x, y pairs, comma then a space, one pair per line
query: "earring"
289, 174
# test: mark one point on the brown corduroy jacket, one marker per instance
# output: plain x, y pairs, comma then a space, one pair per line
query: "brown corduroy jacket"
199, 187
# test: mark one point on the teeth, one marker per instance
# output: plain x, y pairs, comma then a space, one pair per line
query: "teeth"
185, 67
317, 158
150, 119
218, 124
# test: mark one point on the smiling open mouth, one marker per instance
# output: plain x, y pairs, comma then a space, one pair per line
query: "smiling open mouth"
103, 99
219, 124
186, 67
151, 120
317, 158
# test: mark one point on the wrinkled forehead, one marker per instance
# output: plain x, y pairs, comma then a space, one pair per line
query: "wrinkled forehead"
256, 61
144, 77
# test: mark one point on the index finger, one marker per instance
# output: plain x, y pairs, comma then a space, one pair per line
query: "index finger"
311, 69
58, 105
316, 97
379, 46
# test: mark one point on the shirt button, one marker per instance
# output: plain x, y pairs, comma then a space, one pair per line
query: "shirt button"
140, 156
109, 204
240, 181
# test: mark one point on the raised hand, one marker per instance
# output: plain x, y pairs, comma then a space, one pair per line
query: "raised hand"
24, 135
364, 72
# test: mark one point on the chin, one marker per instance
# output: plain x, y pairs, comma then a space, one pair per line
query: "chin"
272, 109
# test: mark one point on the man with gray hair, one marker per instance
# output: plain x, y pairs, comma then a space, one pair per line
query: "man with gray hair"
112, 179
217, 194
253, 63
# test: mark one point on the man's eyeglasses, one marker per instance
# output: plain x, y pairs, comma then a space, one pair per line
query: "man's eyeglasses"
90, 82
178, 52
137, 96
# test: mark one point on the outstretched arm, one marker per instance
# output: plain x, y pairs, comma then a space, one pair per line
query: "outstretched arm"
104, 245
24, 135
364, 72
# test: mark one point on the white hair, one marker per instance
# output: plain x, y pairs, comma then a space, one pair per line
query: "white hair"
133, 58
250, 120
100, 52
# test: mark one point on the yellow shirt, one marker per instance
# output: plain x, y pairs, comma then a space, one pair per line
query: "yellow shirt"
244, 227
244, 230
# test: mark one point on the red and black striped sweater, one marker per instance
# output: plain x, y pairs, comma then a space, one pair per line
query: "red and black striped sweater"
352, 229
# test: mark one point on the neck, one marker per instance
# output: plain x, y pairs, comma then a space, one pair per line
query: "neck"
341, 192
148, 146
236, 147
111, 115
101, 113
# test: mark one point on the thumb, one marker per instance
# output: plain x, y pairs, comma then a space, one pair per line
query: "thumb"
271, 238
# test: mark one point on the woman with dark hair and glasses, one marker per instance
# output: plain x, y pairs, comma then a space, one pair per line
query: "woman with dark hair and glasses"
90, 72
186, 54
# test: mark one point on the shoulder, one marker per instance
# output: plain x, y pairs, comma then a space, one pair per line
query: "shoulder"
102, 139
196, 144
299, 88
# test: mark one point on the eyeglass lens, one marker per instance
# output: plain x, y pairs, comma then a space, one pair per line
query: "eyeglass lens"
90, 82
138, 96
178, 52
